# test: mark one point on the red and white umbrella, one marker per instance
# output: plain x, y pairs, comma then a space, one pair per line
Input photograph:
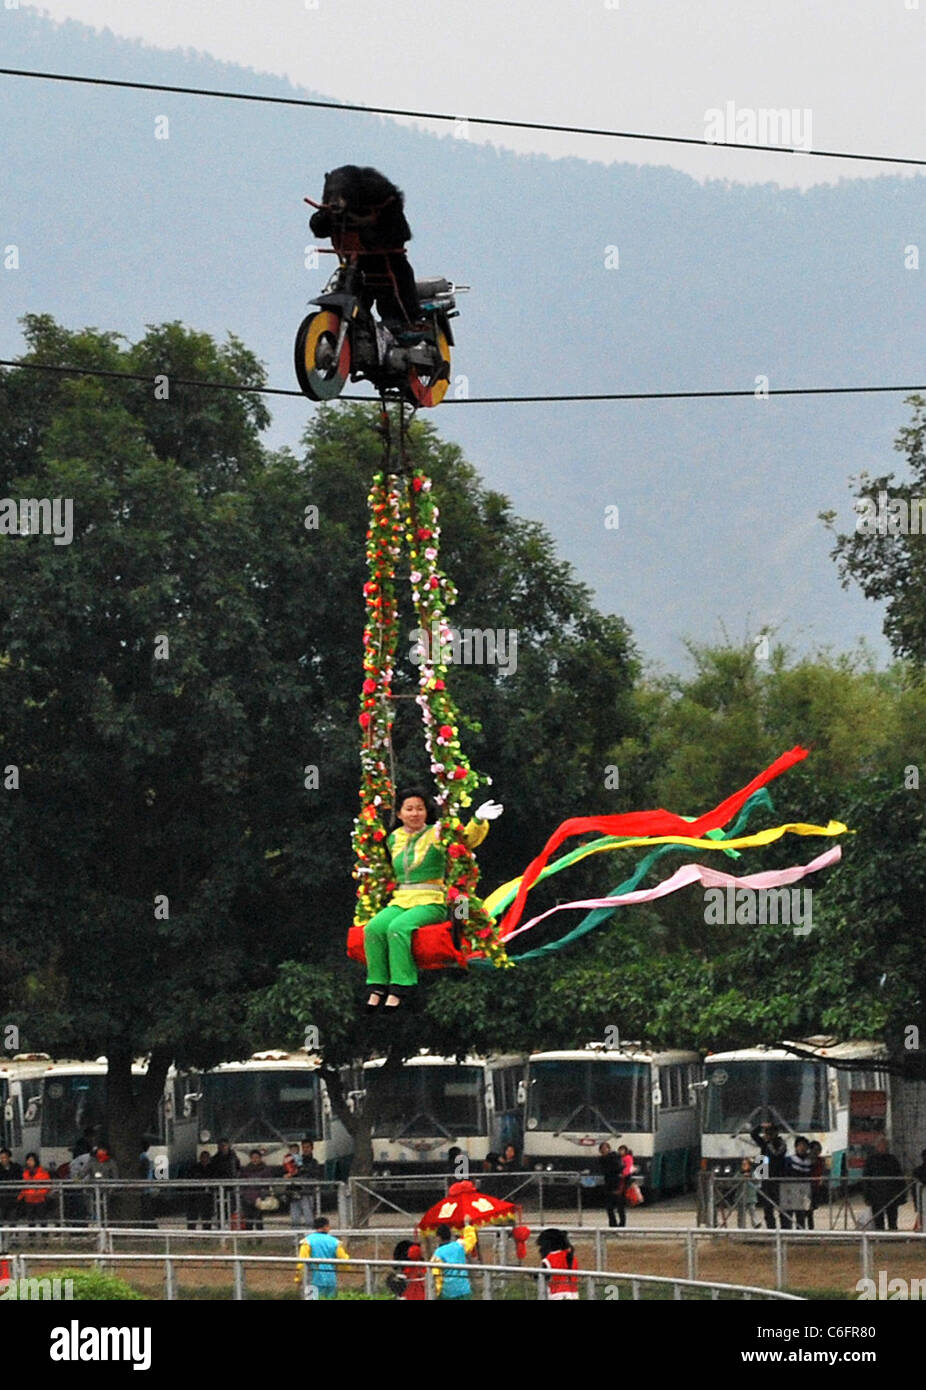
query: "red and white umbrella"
464, 1199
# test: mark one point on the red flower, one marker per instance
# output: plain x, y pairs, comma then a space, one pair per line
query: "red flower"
458, 774
433, 582
417, 484
364, 721
369, 686
457, 851
424, 533
439, 685
379, 834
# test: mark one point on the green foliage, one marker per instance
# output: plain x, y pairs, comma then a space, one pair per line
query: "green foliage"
889, 564
93, 1284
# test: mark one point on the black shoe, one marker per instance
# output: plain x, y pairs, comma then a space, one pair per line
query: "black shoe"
380, 995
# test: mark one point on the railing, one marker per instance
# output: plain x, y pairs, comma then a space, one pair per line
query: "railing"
533, 1187
225, 1202
497, 1282
776, 1244
681, 1250
752, 1203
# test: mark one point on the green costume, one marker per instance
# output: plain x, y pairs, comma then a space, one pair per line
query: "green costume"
419, 900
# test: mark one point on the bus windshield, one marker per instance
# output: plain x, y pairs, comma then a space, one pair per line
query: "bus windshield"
419, 1102
741, 1096
71, 1103
581, 1096
253, 1107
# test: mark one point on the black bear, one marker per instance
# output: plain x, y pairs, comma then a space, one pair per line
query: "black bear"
364, 201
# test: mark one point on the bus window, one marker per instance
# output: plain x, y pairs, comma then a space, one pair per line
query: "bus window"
589, 1095
743, 1095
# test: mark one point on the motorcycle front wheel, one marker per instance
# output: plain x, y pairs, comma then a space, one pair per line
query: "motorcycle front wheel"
321, 375
430, 388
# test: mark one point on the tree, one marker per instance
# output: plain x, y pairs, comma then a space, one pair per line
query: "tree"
169, 679
151, 697
886, 555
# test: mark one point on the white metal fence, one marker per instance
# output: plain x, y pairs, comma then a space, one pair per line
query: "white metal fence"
493, 1282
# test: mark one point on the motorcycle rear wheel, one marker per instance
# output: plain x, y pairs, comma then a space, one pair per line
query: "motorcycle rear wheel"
430, 388
321, 377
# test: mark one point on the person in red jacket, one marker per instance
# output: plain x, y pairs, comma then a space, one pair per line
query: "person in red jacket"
34, 1199
558, 1256
409, 1282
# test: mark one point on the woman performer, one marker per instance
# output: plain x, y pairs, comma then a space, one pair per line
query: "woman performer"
420, 896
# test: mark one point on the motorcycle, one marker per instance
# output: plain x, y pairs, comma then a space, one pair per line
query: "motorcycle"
345, 341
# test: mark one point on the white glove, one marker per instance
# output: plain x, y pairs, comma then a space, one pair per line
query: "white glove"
489, 810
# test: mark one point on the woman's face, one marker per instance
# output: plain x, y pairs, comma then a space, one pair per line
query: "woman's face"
413, 814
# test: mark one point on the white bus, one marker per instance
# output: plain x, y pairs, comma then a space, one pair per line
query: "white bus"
845, 1107
432, 1104
57, 1100
270, 1102
635, 1096
13, 1072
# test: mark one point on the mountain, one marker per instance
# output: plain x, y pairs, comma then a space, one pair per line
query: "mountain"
717, 284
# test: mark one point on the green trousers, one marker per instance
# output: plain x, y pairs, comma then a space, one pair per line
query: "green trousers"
387, 942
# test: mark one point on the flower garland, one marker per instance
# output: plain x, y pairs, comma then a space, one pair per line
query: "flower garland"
456, 780
373, 869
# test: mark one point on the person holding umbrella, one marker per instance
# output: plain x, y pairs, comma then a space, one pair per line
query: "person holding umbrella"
454, 1284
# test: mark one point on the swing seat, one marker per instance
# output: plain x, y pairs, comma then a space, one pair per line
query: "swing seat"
432, 947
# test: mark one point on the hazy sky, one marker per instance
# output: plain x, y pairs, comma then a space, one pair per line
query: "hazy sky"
644, 65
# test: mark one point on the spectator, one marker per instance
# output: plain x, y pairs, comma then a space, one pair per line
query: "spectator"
251, 1196
920, 1175
510, 1161
775, 1152
9, 1172
34, 1198
225, 1164
558, 1256
148, 1194
303, 1200
320, 1244
795, 1190
457, 1163
105, 1169
453, 1285
817, 1180
882, 1195
86, 1142
408, 1281
491, 1162
199, 1200
749, 1193
615, 1183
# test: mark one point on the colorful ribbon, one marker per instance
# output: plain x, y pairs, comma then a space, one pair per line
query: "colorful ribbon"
695, 873
645, 823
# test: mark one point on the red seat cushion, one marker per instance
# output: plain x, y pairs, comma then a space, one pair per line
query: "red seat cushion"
432, 947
